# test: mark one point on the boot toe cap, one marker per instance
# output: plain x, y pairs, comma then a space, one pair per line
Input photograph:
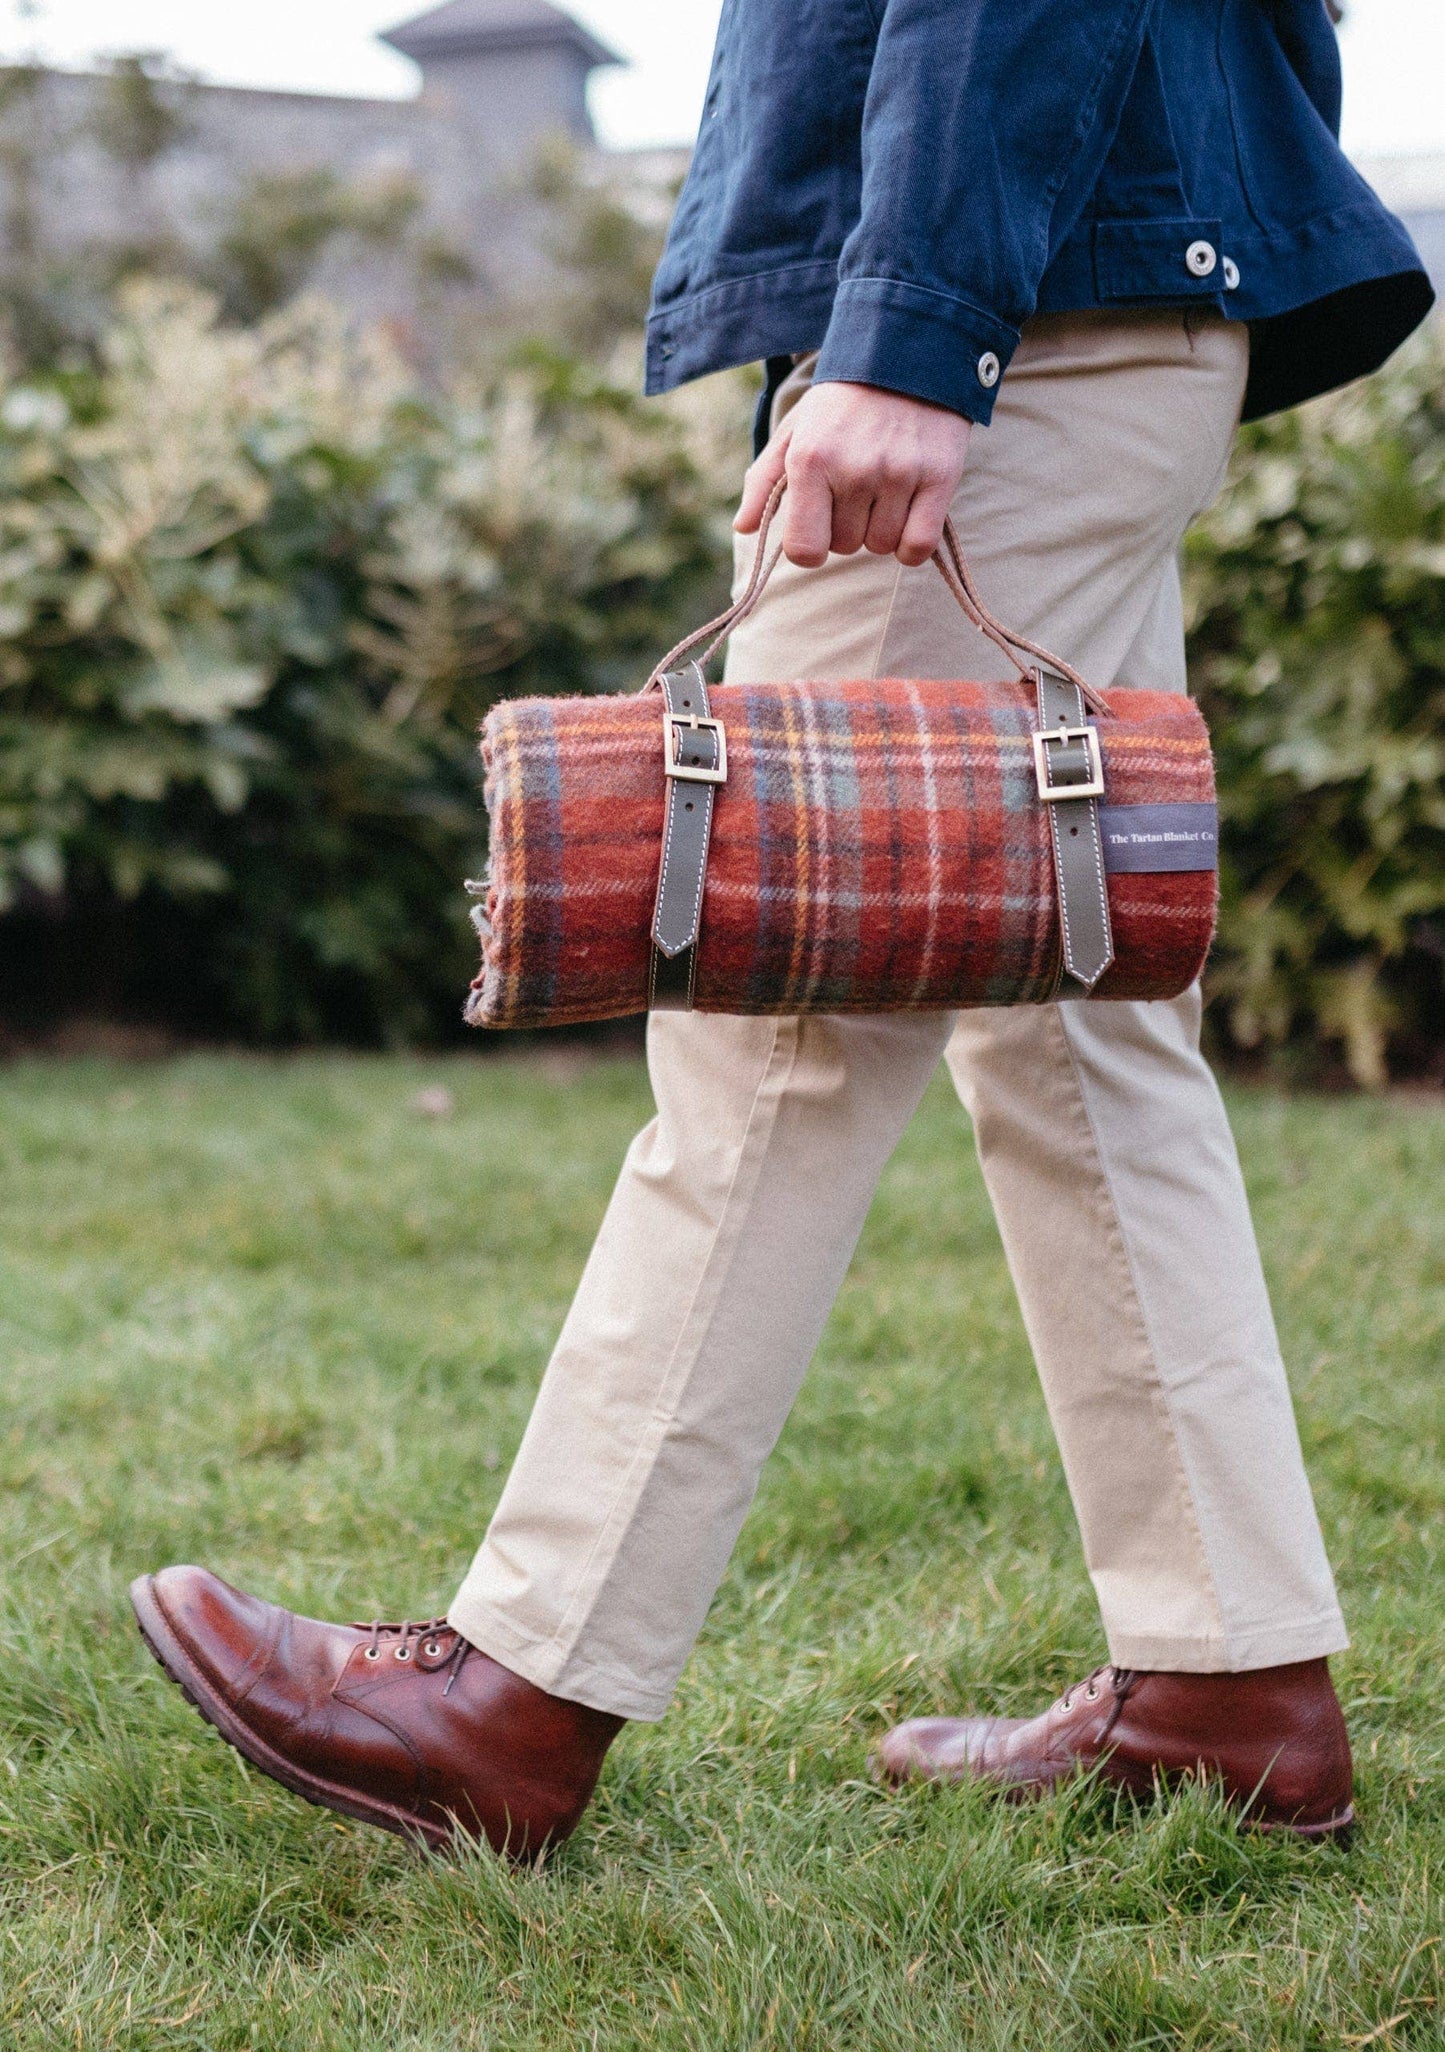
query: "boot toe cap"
934, 1749
220, 1630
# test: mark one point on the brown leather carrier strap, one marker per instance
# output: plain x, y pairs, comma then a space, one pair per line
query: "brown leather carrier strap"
1068, 769
694, 755
947, 559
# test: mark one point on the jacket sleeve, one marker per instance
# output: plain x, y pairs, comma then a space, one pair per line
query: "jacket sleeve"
985, 127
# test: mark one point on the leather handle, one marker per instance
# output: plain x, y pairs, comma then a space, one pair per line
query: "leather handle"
951, 564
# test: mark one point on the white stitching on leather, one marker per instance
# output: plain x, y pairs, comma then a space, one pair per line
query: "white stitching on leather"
1053, 817
670, 793
705, 797
1059, 887
1096, 853
704, 826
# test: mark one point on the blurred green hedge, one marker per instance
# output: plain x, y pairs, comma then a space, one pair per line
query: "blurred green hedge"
257, 587
1316, 601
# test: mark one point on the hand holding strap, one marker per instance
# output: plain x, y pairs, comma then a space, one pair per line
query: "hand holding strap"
947, 559
1068, 764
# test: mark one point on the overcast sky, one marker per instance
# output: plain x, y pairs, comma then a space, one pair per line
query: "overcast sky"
1394, 55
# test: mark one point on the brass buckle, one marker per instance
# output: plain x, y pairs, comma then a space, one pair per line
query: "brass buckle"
689, 772
1092, 787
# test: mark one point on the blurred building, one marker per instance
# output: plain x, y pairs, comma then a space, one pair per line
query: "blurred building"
136, 159
126, 159
1415, 188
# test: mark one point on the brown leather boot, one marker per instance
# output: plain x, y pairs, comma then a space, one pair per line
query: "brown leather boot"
1275, 1739
404, 1725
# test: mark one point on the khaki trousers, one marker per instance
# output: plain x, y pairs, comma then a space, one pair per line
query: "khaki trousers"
1101, 1133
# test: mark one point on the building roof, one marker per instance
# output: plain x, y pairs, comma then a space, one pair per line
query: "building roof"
462, 28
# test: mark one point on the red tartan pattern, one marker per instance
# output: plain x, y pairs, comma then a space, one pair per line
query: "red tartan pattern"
878, 846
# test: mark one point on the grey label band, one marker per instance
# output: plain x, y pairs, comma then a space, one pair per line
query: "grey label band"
1157, 837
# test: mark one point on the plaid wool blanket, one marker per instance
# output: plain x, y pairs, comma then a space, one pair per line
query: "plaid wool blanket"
877, 846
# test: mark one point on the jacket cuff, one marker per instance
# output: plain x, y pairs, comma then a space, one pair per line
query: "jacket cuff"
910, 339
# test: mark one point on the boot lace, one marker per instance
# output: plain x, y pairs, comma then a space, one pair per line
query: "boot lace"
426, 1642
1119, 1679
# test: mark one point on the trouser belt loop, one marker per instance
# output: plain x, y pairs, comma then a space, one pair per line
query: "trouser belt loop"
695, 760
1069, 768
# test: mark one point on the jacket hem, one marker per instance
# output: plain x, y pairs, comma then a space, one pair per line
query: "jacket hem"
1327, 301
740, 320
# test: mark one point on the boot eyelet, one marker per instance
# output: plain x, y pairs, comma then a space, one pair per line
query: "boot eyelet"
372, 1653
431, 1649
1091, 1694
402, 1653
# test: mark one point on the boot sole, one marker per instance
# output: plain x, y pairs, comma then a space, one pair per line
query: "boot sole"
1336, 1830
1340, 1830
178, 1667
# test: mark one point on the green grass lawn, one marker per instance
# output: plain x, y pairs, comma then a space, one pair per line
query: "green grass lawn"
266, 1316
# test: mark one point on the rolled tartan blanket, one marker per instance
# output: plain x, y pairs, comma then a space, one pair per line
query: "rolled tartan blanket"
876, 846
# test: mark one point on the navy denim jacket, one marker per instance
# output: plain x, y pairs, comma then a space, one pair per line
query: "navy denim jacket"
901, 183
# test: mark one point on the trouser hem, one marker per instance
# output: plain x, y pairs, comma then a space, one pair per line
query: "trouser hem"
542, 1663
1262, 1646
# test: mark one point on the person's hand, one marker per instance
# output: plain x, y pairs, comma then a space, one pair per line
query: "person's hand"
866, 469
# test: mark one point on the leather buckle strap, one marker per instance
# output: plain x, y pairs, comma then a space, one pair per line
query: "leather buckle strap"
1080, 763
695, 759
1069, 769
680, 756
